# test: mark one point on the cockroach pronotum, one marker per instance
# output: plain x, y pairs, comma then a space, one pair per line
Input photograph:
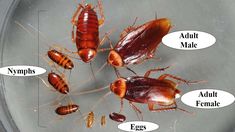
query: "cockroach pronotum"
87, 30
151, 91
58, 83
117, 117
67, 109
90, 119
138, 43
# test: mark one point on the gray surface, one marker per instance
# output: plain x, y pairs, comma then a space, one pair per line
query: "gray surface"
6, 11
215, 64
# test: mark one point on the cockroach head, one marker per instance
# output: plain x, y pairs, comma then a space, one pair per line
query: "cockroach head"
119, 87
87, 54
115, 59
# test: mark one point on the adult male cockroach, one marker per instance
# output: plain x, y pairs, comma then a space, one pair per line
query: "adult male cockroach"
151, 91
139, 43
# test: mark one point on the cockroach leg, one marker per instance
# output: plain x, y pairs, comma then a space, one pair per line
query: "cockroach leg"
162, 77
50, 63
152, 109
134, 22
155, 70
129, 69
175, 107
137, 111
150, 56
117, 72
110, 43
101, 11
183, 110
128, 29
103, 39
73, 20
106, 37
63, 49
121, 105
73, 36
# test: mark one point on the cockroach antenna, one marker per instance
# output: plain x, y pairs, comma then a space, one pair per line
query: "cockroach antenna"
155, 15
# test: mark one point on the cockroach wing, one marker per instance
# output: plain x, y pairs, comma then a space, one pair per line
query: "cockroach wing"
141, 43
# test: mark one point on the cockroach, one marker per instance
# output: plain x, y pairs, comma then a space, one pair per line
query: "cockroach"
117, 117
67, 109
90, 119
56, 56
103, 120
138, 43
58, 83
86, 21
151, 91
60, 59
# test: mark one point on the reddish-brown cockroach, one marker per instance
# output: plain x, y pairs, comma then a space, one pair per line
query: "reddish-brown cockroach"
90, 119
151, 91
55, 55
87, 30
58, 83
60, 59
117, 117
67, 109
139, 43
103, 120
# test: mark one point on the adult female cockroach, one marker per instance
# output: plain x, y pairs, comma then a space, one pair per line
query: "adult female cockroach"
58, 83
138, 43
87, 31
151, 91
67, 109
117, 117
